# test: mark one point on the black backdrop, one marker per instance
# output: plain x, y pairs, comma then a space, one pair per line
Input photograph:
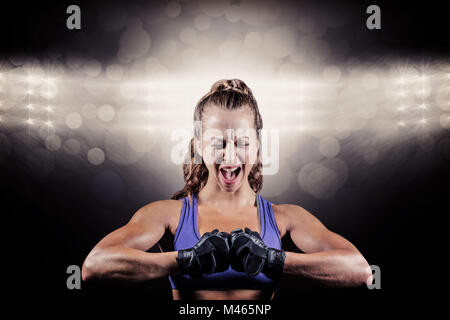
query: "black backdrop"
51, 221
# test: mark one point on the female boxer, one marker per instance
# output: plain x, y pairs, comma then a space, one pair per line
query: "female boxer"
219, 238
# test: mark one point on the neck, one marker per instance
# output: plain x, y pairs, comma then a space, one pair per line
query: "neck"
213, 195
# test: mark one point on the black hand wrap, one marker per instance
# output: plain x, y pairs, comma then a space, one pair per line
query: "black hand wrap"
249, 254
209, 255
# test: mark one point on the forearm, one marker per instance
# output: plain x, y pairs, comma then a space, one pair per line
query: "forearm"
333, 268
123, 263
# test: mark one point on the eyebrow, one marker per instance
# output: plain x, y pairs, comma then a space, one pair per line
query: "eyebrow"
219, 137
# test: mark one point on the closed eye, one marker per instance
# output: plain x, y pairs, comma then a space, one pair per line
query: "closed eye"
240, 144
243, 144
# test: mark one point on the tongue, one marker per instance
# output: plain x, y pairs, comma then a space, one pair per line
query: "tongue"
229, 175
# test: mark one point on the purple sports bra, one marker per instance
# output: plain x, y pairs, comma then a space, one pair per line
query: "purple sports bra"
187, 236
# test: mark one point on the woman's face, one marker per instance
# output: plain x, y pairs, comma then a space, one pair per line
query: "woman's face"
229, 146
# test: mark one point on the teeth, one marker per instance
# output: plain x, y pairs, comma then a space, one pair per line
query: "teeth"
230, 170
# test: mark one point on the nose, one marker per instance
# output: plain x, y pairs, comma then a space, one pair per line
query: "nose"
230, 153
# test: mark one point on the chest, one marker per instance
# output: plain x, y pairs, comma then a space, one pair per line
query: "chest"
210, 219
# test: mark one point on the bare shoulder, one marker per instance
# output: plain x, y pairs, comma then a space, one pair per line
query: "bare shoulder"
290, 215
162, 211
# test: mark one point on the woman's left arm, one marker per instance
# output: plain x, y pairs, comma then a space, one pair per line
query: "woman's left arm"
329, 258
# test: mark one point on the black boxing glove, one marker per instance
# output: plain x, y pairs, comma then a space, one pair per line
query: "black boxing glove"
249, 254
209, 255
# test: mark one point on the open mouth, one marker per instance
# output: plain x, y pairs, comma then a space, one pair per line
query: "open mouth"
230, 175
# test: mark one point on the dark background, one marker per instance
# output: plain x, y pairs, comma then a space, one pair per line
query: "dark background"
52, 221
409, 28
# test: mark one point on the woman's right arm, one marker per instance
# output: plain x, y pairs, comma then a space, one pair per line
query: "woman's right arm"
122, 254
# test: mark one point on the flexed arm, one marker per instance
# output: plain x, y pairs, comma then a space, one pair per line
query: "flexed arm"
329, 258
122, 253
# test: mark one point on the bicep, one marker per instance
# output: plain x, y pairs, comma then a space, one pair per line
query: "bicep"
142, 232
310, 235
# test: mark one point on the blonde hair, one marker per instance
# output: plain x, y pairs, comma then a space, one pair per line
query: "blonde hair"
226, 94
